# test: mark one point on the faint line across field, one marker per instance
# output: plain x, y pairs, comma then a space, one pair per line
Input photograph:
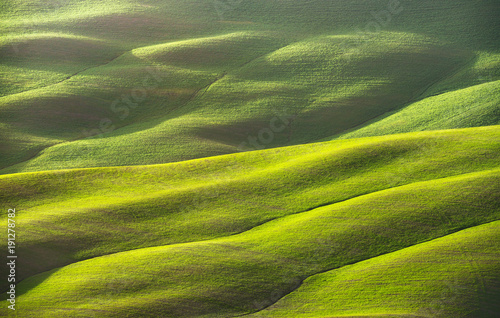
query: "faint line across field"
220, 77
418, 97
195, 95
356, 262
288, 215
70, 76
209, 239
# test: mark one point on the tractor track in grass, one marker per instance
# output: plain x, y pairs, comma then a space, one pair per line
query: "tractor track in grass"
357, 262
194, 96
38, 152
69, 76
204, 89
234, 234
302, 279
198, 94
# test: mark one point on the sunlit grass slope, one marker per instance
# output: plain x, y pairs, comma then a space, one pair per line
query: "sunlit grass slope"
98, 98
460, 20
129, 89
129, 22
483, 69
76, 214
469, 107
218, 53
243, 273
454, 276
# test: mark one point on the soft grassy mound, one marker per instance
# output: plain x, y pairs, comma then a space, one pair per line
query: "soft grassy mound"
346, 64
246, 272
302, 92
483, 69
459, 20
469, 107
218, 53
38, 60
454, 276
94, 101
77, 214
115, 89
54, 47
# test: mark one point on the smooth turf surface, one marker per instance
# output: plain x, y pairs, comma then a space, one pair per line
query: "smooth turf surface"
167, 81
452, 276
352, 200
254, 158
241, 273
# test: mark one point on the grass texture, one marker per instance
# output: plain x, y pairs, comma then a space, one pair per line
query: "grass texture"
251, 158
168, 81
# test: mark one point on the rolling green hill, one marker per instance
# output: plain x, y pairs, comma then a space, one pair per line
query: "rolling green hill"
228, 158
240, 273
432, 279
469, 107
73, 215
170, 82
225, 109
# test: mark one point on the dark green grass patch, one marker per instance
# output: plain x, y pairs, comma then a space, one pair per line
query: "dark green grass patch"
314, 81
347, 63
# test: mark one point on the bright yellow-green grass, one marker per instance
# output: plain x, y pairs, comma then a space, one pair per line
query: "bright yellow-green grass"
454, 276
249, 271
477, 105
77, 214
122, 123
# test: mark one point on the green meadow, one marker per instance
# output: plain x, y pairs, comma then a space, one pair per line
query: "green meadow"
252, 158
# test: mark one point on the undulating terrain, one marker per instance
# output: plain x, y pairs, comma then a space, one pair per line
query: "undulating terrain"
229, 158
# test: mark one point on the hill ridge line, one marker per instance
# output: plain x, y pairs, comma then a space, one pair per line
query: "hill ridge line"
396, 136
292, 214
192, 98
218, 78
370, 258
307, 277
446, 76
419, 97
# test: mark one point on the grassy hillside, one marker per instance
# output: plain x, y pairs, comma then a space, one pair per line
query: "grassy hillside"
469, 107
274, 256
261, 158
460, 20
168, 81
217, 109
454, 276
73, 215
41, 59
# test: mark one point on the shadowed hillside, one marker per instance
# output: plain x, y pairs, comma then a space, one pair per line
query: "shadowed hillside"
228, 158
194, 79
